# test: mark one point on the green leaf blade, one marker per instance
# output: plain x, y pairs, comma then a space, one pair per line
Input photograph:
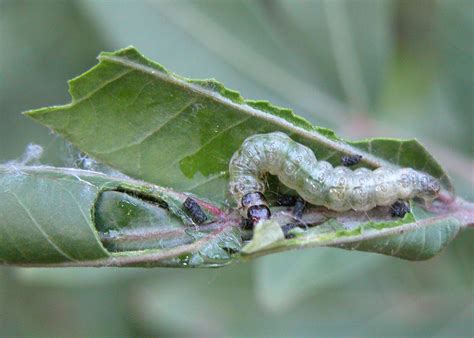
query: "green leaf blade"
29, 234
134, 115
414, 245
127, 109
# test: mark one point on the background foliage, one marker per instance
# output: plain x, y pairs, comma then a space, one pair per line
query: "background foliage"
363, 68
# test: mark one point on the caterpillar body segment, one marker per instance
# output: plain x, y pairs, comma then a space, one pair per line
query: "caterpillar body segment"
318, 182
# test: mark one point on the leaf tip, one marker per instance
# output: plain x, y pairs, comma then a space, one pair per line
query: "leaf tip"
120, 52
35, 114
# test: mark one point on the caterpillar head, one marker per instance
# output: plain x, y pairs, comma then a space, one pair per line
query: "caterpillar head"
429, 187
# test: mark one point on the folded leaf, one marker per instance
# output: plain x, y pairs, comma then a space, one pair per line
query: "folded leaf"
47, 218
60, 216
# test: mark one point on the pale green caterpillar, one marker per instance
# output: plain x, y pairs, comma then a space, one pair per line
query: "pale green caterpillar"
317, 182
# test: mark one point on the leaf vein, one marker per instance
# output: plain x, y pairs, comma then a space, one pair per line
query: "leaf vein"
209, 179
423, 246
152, 132
101, 86
41, 230
246, 109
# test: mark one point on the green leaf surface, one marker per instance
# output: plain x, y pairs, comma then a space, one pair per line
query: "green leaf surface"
419, 235
131, 113
419, 244
47, 219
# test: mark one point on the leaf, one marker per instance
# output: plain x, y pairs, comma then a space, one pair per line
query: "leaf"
131, 113
47, 219
419, 236
68, 217
265, 234
126, 110
418, 244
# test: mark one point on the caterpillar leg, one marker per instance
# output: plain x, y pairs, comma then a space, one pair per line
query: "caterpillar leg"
296, 202
290, 226
286, 230
299, 206
286, 200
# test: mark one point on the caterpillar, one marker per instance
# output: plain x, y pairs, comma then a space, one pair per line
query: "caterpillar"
317, 182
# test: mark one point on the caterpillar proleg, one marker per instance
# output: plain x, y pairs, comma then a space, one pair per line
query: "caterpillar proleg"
317, 182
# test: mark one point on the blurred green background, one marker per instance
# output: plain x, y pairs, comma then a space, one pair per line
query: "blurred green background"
364, 68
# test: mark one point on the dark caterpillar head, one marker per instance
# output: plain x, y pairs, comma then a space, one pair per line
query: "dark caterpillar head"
253, 198
257, 213
256, 207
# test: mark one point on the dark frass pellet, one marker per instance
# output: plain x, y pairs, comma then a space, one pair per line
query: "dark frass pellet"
350, 160
258, 212
194, 211
399, 209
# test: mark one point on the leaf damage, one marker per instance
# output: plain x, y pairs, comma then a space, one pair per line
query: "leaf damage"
124, 112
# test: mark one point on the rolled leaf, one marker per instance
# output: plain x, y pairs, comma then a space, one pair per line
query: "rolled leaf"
59, 216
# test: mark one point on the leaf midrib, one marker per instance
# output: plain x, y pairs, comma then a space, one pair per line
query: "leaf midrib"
247, 109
